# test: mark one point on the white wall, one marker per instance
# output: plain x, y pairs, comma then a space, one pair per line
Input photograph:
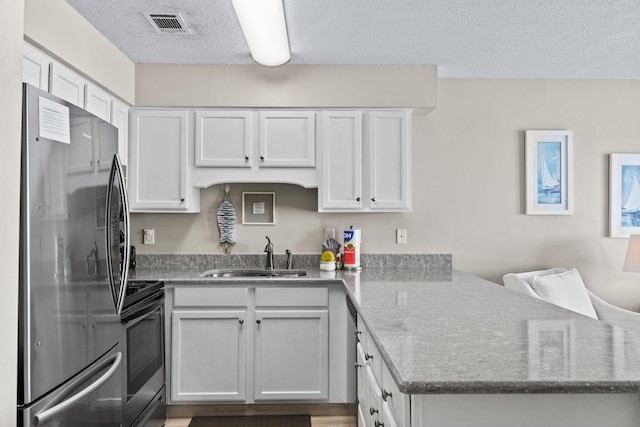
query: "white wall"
468, 188
10, 119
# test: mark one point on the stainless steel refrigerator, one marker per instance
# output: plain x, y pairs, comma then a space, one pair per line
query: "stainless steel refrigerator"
74, 242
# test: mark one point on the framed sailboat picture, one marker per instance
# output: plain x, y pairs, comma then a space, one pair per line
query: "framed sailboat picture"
624, 195
549, 172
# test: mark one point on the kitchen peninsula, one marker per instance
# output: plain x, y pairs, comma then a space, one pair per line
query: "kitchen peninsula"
439, 347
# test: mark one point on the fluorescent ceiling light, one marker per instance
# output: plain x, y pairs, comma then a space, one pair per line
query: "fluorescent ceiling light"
264, 29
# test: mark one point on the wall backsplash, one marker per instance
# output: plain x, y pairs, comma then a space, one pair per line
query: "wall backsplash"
300, 261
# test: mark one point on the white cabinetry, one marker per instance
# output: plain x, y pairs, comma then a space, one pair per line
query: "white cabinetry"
35, 67
257, 344
291, 344
67, 85
366, 171
287, 139
159, 161
39, 69
98, 102
223, 138
254, 146
379, 400
120, 119
209, 344
341, 171
389, 160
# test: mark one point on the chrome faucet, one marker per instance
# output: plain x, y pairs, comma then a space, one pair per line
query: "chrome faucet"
289, 259
269, 250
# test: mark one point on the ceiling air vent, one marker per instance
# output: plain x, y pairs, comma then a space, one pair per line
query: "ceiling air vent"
169, 22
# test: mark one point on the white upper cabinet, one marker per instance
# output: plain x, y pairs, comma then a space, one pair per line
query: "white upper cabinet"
67, 85
120, 119
159, 162
287, 139
254, 146
98, 102
365, 171
341, 160
223, 138
389, 160
35, 67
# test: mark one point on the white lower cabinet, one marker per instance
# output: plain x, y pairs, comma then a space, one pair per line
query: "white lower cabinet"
380, 403
254, 344
291, 354
211, 338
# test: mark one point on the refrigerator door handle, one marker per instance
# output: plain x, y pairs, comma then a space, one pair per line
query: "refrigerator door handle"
116, 178
47, 414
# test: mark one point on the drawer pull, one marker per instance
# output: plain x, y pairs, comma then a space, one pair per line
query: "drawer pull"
258, 321
386, 394
357, 365
358, 332
241, 321
378, 424
368, 356
372, 410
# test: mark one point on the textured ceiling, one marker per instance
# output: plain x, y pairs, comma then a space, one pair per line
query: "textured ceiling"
464, 38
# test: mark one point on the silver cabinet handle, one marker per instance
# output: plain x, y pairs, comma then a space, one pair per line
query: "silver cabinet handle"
372, 410
241, 321
378, 424
357, 199
373, 199
386, 394
357, 365
368, 356
246, 157
358, 332
258, 321
47, 414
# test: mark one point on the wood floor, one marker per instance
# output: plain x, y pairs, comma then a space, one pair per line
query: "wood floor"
316, 421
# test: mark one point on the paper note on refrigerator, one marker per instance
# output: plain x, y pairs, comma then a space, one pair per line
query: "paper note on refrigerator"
54, 121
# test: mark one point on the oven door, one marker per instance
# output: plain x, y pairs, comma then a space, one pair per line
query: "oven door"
143, 340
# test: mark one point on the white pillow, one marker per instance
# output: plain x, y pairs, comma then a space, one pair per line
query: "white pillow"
566, 290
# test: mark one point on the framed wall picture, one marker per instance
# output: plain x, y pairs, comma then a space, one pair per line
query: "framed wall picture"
549, 172
624, 195
258, 208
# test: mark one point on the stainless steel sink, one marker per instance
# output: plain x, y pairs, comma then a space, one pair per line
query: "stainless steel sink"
239, 272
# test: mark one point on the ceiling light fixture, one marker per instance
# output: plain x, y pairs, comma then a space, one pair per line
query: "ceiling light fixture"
264, 29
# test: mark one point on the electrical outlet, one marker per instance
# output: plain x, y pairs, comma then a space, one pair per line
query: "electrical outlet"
401, 235
149, 236
329, 233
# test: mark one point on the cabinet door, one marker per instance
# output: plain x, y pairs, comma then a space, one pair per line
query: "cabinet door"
98, 102
67, 85
120, 119
341, 168
223, 138
291, 355
208, 356
35, 67
389, 160
158, 160
287, 139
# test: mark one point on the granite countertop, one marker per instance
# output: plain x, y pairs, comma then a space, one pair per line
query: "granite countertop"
442, 331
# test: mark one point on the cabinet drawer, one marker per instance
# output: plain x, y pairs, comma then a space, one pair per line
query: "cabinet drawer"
373, 358
286, 297
210, 296
397, 402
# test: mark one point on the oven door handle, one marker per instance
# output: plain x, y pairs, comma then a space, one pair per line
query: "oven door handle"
142, 308
47, 414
